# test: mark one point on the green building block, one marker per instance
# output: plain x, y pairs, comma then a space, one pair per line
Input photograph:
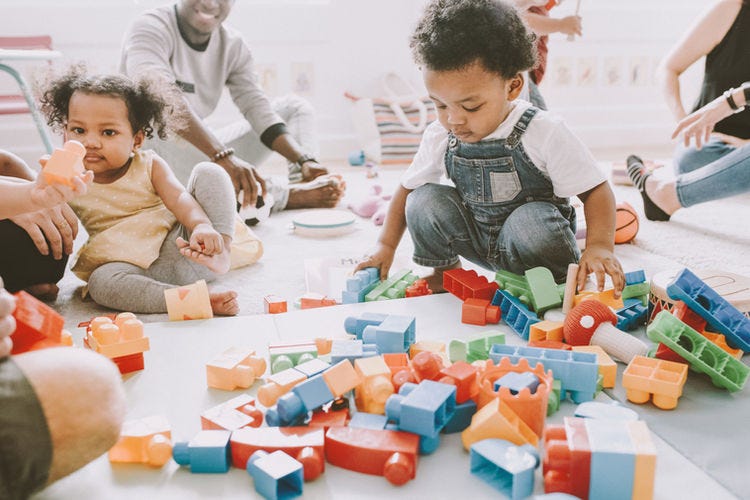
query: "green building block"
286, 356
392, 288
636, 290
553, 402
476, 347
703, 355
515, 285
544, 294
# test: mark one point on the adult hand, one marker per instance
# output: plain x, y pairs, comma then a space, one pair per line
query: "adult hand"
245, 178
49, 195
312, 169
7, 322
600, 261
381, 257
700, 124
52, 229
570, 25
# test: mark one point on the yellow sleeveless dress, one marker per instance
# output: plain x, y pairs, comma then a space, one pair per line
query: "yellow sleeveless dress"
126, 220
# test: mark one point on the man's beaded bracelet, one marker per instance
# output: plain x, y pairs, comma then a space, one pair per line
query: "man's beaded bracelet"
222, 154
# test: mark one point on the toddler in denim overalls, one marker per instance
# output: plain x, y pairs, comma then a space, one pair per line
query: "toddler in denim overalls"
513, 167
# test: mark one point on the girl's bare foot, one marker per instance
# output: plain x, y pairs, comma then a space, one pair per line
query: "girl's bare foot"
46, 292
224, 303
218, 263
323, 192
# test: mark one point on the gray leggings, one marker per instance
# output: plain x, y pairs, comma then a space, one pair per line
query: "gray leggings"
126, 287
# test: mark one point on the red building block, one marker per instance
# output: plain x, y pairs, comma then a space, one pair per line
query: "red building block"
417, 289
312, 300
274, 305
37, 325
479, 312
465, 283
567, 458
130, 363
464, 377
392, 454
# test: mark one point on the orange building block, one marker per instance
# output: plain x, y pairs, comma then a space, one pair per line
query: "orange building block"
107, 338
313, 300
606, 297
189, 302
464, 377
37, 325
342, 378
65, 164
530, 408
324, 345
376, 386
274, 305
237, 367
645, 460
396, 361
435, 346
147, 441
497, 420
130, 363
550, 344
417, 289
546, 330
479, 312
231, 415
607, 367
664, 379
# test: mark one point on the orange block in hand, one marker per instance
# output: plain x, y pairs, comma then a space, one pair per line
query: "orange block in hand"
65, 164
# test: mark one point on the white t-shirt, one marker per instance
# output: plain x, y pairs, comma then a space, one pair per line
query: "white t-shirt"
554, 149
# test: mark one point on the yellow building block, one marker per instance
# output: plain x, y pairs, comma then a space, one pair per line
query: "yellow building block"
645, 460
376, 386
607, 366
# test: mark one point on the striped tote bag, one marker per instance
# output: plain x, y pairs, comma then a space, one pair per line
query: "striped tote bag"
390, 128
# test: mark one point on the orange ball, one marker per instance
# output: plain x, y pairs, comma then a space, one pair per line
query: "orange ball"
626, 223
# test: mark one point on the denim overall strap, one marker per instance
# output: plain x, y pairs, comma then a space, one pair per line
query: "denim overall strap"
514, 139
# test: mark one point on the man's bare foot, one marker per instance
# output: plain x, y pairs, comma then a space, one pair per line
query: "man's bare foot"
323, 192
224, 303
218, 263
46, 292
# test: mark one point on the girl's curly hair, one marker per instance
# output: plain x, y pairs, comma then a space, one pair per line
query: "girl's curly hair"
153, 105
455, 33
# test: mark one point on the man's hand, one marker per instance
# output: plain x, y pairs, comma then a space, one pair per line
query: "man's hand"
311, 170
244, 178
52, 229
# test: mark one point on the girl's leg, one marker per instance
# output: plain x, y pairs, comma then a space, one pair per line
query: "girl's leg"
442, 230
538, 234
126, 287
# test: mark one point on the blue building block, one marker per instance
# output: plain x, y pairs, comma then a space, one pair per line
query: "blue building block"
516, 381
360, 285
514, 313
422, 409
208, 451
428, 444
395, 334
461, 418
612, 459
634, 277
505, 466
633, 315
577, 371
351, 350
606, 411
722, 316
368, 421
356, 325
514, 284
275, 475
304, 397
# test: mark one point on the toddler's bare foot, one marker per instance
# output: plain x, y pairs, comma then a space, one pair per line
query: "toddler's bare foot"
224, 303
323, 192
46, 292
218, 263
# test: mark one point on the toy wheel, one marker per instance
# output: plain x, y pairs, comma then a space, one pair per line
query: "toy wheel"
399, 469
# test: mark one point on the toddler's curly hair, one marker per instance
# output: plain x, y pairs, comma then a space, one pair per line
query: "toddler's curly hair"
453, 34
154, 105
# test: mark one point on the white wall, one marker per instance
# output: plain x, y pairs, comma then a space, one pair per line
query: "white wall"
349, 44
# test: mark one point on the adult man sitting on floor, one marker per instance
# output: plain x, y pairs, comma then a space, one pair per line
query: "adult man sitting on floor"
188, 43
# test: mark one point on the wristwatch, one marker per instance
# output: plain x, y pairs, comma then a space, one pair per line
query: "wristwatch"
304, 159
746, 90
